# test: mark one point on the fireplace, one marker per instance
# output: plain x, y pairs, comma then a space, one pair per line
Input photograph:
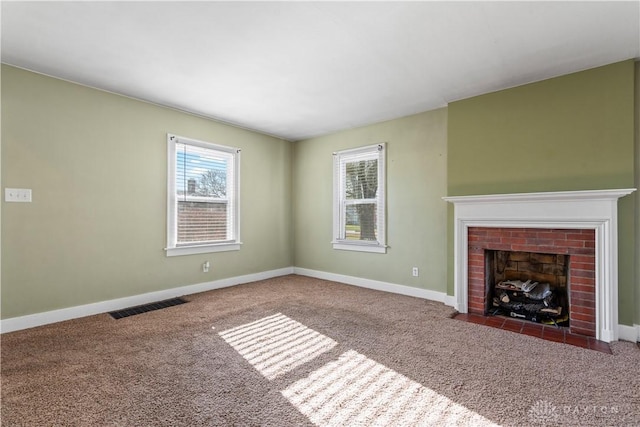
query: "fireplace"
579, 224
537, 274
528, 285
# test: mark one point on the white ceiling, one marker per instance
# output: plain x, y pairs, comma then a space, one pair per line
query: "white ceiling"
303, 69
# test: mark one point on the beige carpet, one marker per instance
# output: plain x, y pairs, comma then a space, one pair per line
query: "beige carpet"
295, 351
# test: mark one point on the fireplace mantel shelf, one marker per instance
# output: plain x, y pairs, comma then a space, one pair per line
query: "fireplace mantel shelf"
586, 209
558, 196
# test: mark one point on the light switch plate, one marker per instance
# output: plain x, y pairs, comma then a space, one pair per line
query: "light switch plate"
17, 195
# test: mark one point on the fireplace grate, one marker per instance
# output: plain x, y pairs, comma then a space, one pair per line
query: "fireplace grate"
132, 311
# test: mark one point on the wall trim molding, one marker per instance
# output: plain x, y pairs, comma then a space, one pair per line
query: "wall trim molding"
629, 333
378, 285
626, 333
47, 317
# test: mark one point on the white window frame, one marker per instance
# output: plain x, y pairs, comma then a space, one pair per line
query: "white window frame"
173, 249
377, 151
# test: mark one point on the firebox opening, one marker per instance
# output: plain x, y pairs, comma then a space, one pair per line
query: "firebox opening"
527, 285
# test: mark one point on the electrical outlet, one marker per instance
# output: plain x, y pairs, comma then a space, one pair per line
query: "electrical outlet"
17, 195
414, 271
205, 267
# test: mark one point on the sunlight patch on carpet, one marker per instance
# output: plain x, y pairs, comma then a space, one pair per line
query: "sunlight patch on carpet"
276, 344
355, 390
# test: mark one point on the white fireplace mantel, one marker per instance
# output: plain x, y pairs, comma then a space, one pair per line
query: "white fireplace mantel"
592, 209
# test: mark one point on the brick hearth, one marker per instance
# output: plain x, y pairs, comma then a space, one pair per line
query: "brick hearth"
579, 244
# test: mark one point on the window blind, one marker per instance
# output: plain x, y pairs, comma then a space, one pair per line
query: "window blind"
204, 192
359, 195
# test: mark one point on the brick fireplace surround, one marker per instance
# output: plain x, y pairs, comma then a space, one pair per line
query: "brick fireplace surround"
579, 244
582, 224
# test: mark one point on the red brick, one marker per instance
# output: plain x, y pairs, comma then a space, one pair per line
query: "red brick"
569, 243
599, 346
476, 310
583, 288
590, 233
583, 280
583, 266
577, 340
575, 316
476, 264
512, 325
582, 324
584, 259
537, 230
478, 229
582, 296
476, 281
576, 272
513, 240
553, 334
475, 318
582, 301
583, 251
497, 246
540, 249
584, 309
535, 241
476, 302
476, 270
554, 234
532, 329
576, 308
499, 232
579, 244
491, 240
476, 293
579, 236
583, 328
581, 331
495, 321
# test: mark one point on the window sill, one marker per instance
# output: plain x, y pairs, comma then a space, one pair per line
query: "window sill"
203, 249
359, 247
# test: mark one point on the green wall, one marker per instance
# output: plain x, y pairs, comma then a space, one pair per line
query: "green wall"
96, 228
574, 132
97, 165
416, 214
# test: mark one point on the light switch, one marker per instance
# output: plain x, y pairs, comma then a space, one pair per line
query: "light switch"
17, 195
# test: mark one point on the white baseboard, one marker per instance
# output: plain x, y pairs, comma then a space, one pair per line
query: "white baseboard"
451, 301
629, 333
378, 285
39, 319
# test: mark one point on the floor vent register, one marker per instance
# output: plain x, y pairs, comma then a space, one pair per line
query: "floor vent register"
132, 311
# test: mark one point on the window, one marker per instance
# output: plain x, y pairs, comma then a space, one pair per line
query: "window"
359, 199
203, 197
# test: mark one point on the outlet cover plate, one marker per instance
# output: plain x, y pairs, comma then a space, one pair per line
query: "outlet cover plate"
17, 195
